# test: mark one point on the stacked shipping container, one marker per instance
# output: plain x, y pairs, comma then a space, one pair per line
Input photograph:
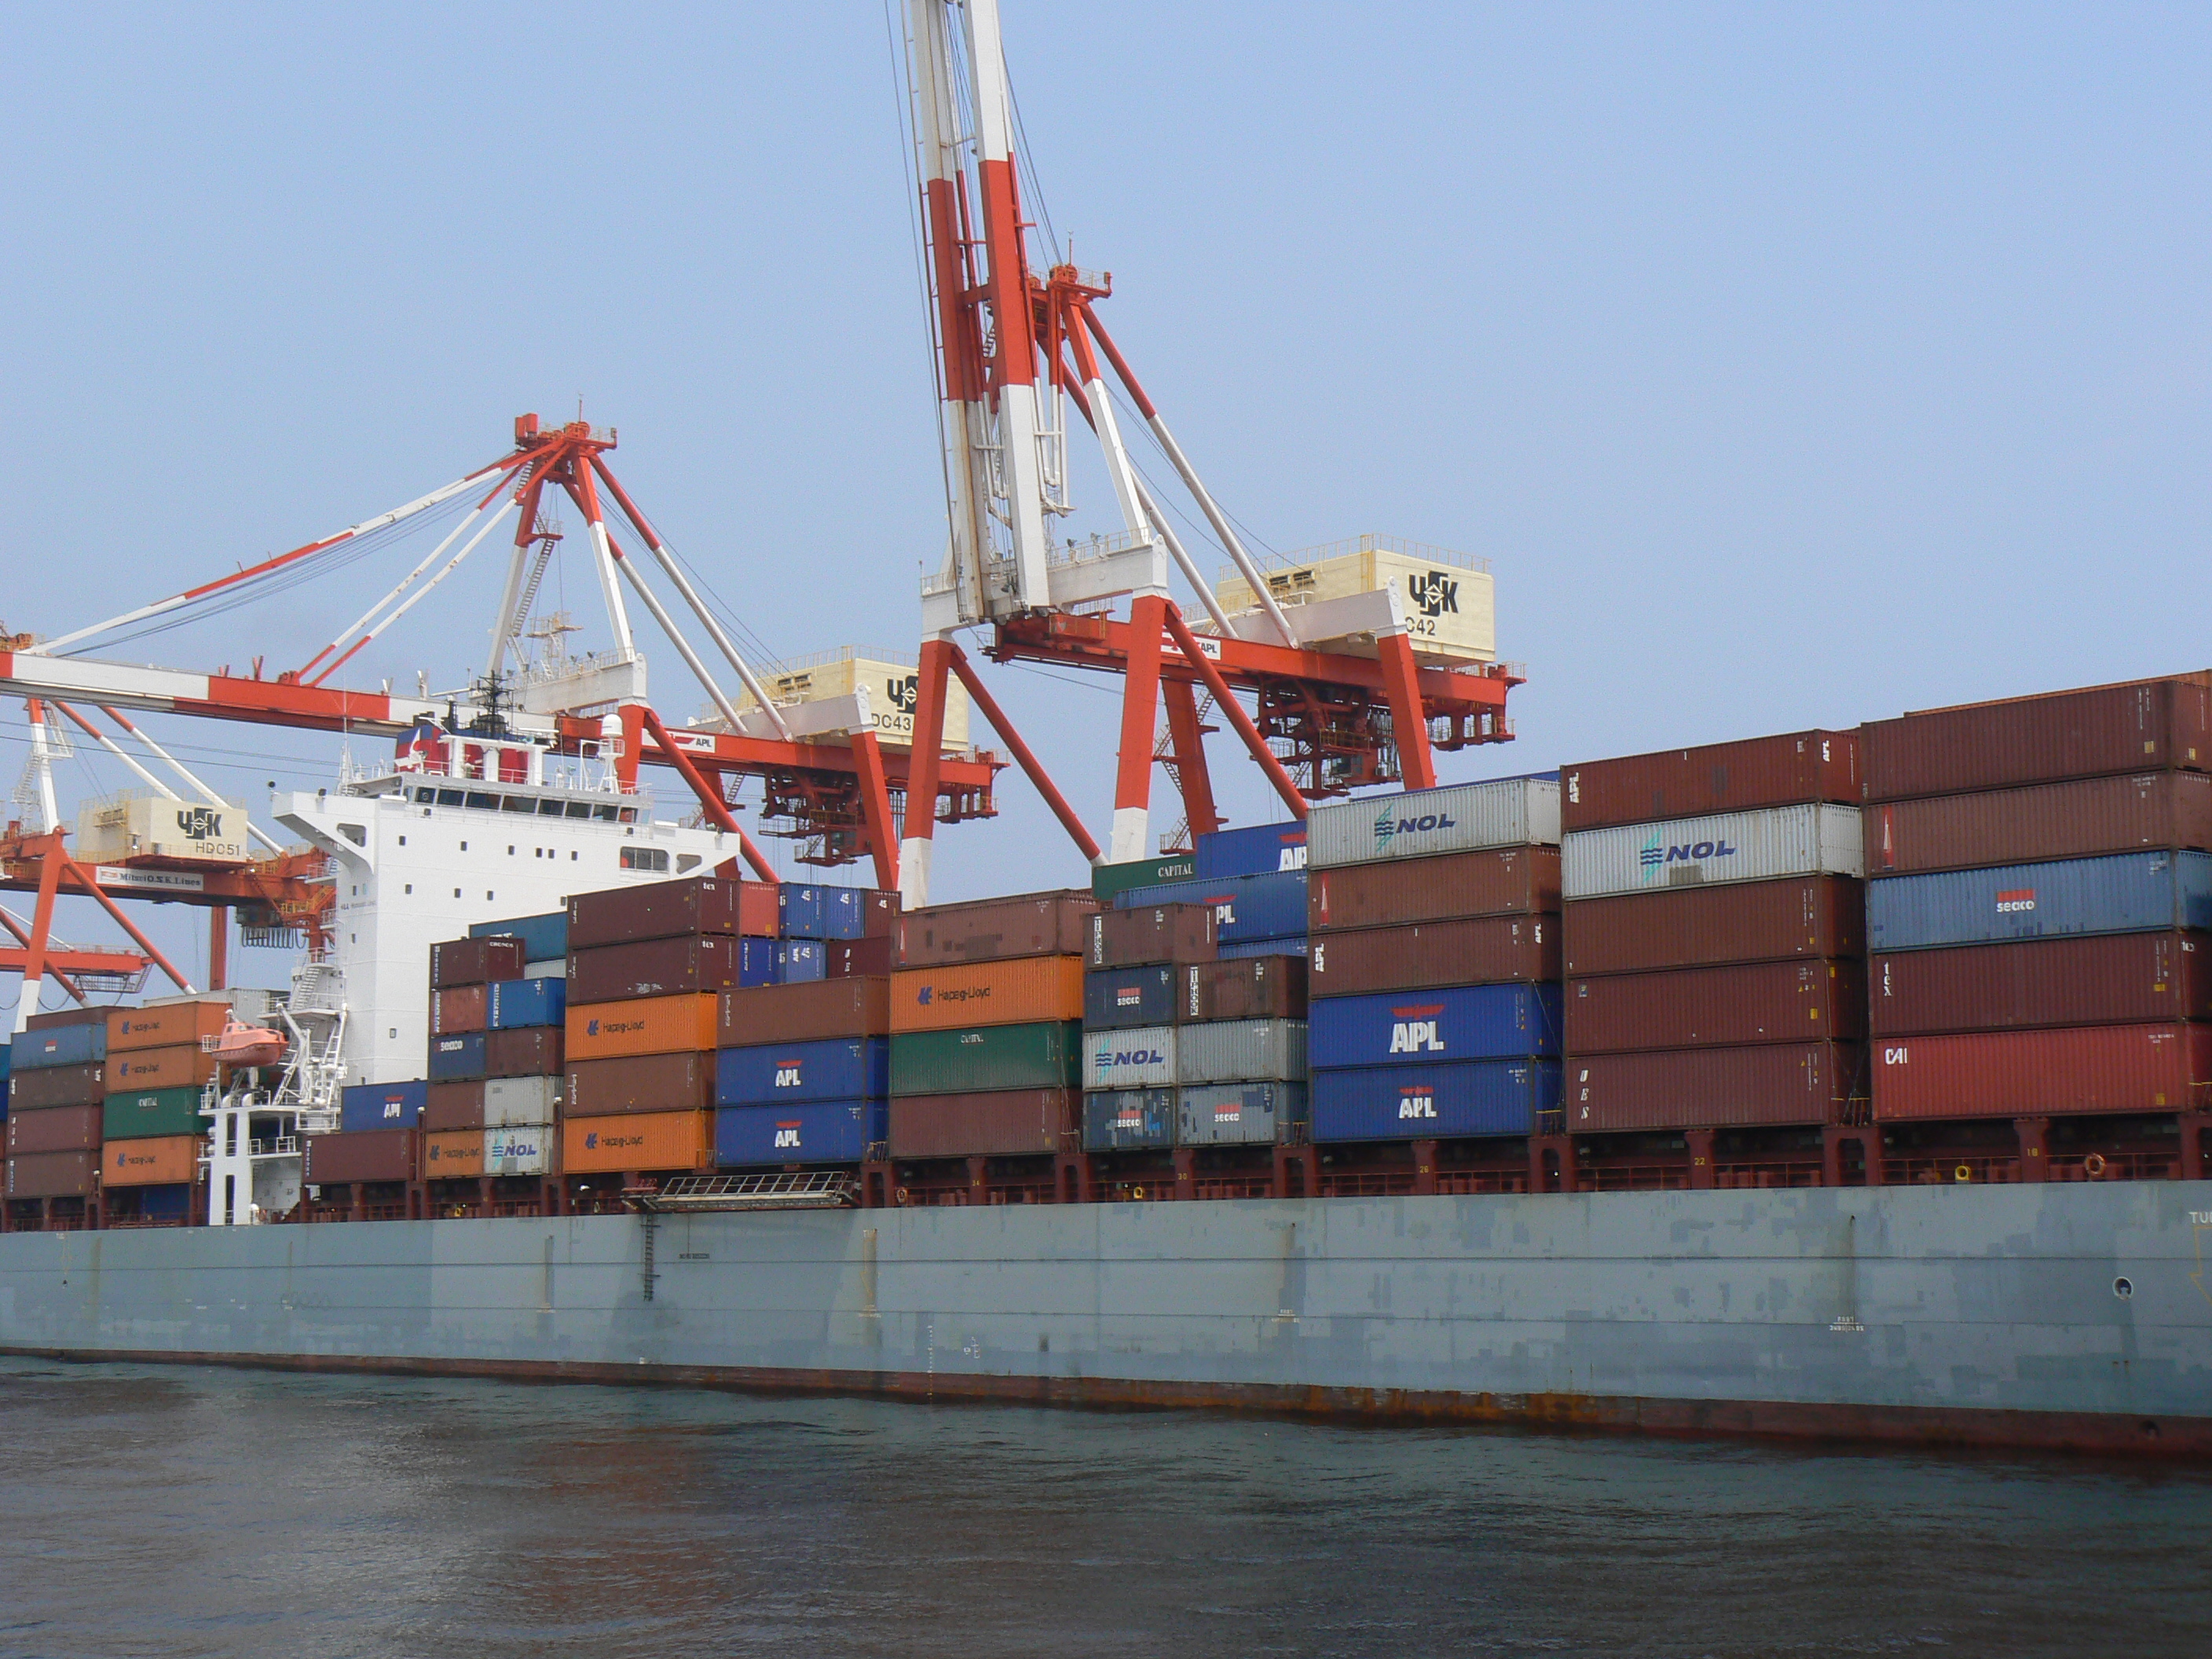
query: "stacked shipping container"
151, 1129
57, 1088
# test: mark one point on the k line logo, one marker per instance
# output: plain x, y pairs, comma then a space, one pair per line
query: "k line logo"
2015, 900
1415, 1030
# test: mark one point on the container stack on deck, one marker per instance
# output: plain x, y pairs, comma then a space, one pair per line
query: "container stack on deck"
57, 1086
151, 1129
2039, 896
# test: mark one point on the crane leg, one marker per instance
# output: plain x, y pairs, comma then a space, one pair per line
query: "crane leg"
1188, 744
1407, 723
1140, 696
918, 831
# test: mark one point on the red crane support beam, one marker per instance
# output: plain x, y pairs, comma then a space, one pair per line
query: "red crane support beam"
1285, 786
709, 797
1029, 763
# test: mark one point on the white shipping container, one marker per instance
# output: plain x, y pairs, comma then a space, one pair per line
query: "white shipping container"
1143, 1057
1242, 1051
525, 1150
1463, 817
517, 1102
1778, 842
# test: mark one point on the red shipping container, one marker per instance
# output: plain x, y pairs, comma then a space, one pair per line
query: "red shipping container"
990, 930
859, 959
53, 1175
475, 960
452, 1107
1480, 950
459, 1008
1152, 933
1787, 770
639, 1083
997, 1123
813, 1011
760, 913
2080, 819
57, 1085
2096, 1068
1778, 1083
1504, 881
1244, 988
524, 1051
654, 967
1809, 917
60, 1017
669, 910
2141, 726
2107, 979
365, 1155
1716, 1007
56, 1129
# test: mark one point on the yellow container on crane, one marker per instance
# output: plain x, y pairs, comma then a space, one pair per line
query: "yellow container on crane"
889, 680
160, 828
1449, 599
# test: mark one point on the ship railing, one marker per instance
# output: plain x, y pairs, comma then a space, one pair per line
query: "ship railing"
811, 1189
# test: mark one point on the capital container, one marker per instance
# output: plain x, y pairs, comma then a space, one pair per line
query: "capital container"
1481, 949
530, 1051
161, 1068
456, 1155
806, 1013
151, 1160
2080, 819
1109, 881
2103, 979
473, 961
1048, 1055
800, 961
648, 1026
1774, 1082
512, 1102
985, 930
1822, 840
1787, 770
1237, 1113
1128, 1120
810, 1132
53, 1175
520, 1004
835, 1068
2130, 892
1256, 849
146, 1112
1240, 1051
1118, 998
1142, 1057
463, 1007
655, 968
1244, 948
2166, 1068
367, 1155
57, 1085
1245, 908
381, 1105
1463, 1022
165, 1024
2141, 726
1811, 918
993, 1123
522, 1149
1457, 818
544, 938
1152, 933
1432, 1103
636, 1142
1702, 1007
1501, 881
1023, 990
809, 910
39, 1049
859, 959
1248, 987
448, 1107
641, 1083
56, 1129
457, 1057
659, 910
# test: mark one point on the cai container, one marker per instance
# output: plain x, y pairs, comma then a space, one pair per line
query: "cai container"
1021, 991
1479, 951
2166, 1068
56, 1129
806, 1013
2080, 819
1142, 1057
519, 1004
991, 1123
1245, 987
1787, 770
370, 1155
2130, 892
1128, 1120
449, 1107
1819, 917
1702, 1007
53, 1175
457, 1155
661, 909
1237, 1113
144, 1112
641, 1083
544, 938
514, 1103
522, 1149
462, 1008
2144, 726
57, 1085
151, 1161
1432, 1103
1245, 908
474, 961
530, 1051
1240, 1051
1152, 933
1116, 999
165, 1024
1435, 1027
458, 1057
39, 1048
636, 1142
161, 1068
646, 1025
1032, 925
1775, 841
1045, 1055
835, 1068
1109, 881
655, 968
1777, 1083
812, 1132
381, 1105
1257, 849
1502, 881
2103, 979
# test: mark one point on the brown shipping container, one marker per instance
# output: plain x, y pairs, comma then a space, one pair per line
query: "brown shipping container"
813, 1011
2073, 820
60, 1017
1152, 933
1787, 770
475, 960
57, 1085
1480, 950
1021, 991
160, 1068
152, 1161
1773, 1083
53, 1175
165, 1024
2143, 726
645, 1082
998, 1123
1034, 925
459, 1008
1503, 881
525, 1051
638, 1140
653, 968
2107, 979
1244, 988
56, 1129
667, 909
861, 958
2098, 1069
1716, 1007
1808, 917
455, 1156
365, 1155
644, 1025
451, 1107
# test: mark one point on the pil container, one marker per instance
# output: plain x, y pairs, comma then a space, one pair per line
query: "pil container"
2079, 819
1045, 1055
1701, 1007
1479, 951
515, 1103
2143, 725
450, 1107
638, 1143
56, 1129
656, 968
60, 1045
462, 1008
475, 960
1237, 1113
54, 1175
990, 1123
151, 1161
659, 910
807, 911
1432, 1103
1116, 999
1458, 819
1772, 1083
1142, 1057
1751, 772
1128, 1120
2130, 892
836, 1068
369, 1155
2103, 979
363, 1106
1240, 1051
859, 959
1811, 918
641, 1083
1257, 849
544, 938
1245, 908
1020, 991
646, 1025
459, 1156
530, 1051
1502, 881
518, 1005
1152, 933
1034, 925
457, 1057
2099, 1068
57, 1085
806, 1013
165, 1025
1463, 1022
800, 961
1822, 840
142, 1113
1248, 987
522, 1149
798, 1132
161, 1068
1109, 881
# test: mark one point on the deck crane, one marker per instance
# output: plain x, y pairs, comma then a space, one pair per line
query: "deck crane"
1341, 697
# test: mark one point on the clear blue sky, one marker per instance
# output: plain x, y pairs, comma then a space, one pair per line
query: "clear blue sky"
1793, 366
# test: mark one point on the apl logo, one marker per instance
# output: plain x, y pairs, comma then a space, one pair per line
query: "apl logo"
200, 823
1433, 593
2015, 900
787, 1136
1417, 1102
394, 1108
786, 1074
1390, 824
1415, 1032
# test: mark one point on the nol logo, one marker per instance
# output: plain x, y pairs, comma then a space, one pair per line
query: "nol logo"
1416, 1103
1390, 825
786, 1076
1657, 853
1415, 1031
1108, 1058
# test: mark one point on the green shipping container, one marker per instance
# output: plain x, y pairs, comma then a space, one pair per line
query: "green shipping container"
1045, 1055
1109, 881
152, 1112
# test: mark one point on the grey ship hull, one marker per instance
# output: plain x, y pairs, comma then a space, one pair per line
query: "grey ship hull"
1987, 1314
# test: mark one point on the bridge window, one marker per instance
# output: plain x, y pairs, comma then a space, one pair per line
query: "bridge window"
645, 857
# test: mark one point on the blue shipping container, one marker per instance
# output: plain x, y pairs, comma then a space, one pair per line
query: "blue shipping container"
1421, 1102
2131, 893
1118, 998
456, 1059
808, 910
5, 1054
381, 1105
172, 1202
757, 961
1298, 946
823, 1132
1259, 849
799, 960
60, 1045
1246, 907
836, 1068
516, 1003
545, 938
1128, 1120
1466, 1022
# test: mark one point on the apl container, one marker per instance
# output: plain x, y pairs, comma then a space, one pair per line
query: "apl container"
1143, 1057
648, 1026
1128, 1120
2105, 979
1151, 933
2145, 812
1032, 925
521, 1004
641, 1083
1742, 776
1466, 1022
1774, 1082
60, 1045
1811, 918
2133, 892
364, 1106
522, 1149
1237, 1113
994, 1123
515, 1103
1251, 988
1433, 1102
1779, 840
1240, 1051
637, 1143
1118, 999
821, 1131
1482, 949
1258, 849
657, 968
379, 1155
2099, 1068
2144, 726
1460, 818
840, 1068
545, 938
457, 1057
1245, 908
56, 1129
451, 1107
1020, 991
1504, 881
149, 1112
1045, 1055
806, 1013
1706, 1007
161, 1068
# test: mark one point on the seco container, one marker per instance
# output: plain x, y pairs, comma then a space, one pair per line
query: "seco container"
1715, 1007
1238, 1114
151, 1161
2143, 726
641, 1083
1248, 987
1501, 881
1141, 1058
1152, 933
2148, 810
835, 1068
1240, 1051
1257, 849
2131, 892
1459, 818
1774, 1082
1428, 1101
1822, 840
2105, 979
457, 1058
1045, 1055
1812, 917
1742, 776
646, 1025
149, 1112
1116, 999
1020, 991
2099, 1068
993, 1123
636, 1142
1032, 925
1128, 1120
1464, 1021
810, 1132
1482, 949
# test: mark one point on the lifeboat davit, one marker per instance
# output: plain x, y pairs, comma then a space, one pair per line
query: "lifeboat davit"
241, 1044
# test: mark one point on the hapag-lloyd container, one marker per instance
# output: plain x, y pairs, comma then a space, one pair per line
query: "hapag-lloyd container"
1149, 933
1020, 991
152, 1161
1116, 999
1821, 840
166, 1024
522, 1149
518, 1102
1459, 818
805, 1013
662, 909
56, 1129
1816, 917
1240, 1051
1128, 1120
57, 1085
381, 1105
1786, 770
2105, 979
1482, 949
648, 1025
1256, 849
1143, 1057
1503, 881
161, 1068
1032, 925
1465, 1021
1237, 1113
1707, 1007
2099, 1068
459, 1156
1245, 908
452, 1106
151, 1112
372, 1155
2130, 892
2080, 819
1045, 1055
1425, 1102
53, 1175
836, 1068
1250, 987
641, 1083
993, 1123
812, 1132
638, 1142
1771, 1083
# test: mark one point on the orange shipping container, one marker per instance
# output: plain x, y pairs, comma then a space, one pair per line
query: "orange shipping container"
169, 1025
160, 1068
643, 1025
455, 1155
1018, 991
156, 1161
638, 1140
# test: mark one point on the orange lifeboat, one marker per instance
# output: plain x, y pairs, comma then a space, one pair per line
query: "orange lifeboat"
241, 1044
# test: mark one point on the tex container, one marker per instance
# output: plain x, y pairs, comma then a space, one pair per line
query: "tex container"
165, 1025
1247, 988
1033, 924
519, 1004
1789, 770
161, 1068
151, 1161
2099, 1068
641, 1083
658, 909
527, 1051
836, 1068
646, 1025
1109, 881
1502, 881
1479, 951
1710, 1007
806, 1013
655, 968
1152, 933
1021, 991
1822, 840
1128, 1120
2105, 979
522, 1149
2131, 892
58, 1045
53, 1175
370, 1155
1257, 849
57, 1085
459, 1156
2144, 726
475, 960
512, 1102
56, 1129
1460, 818
812, 1132
1774, 1082
1116, 999
1465, 1021
146, 1112
993, 1123
2080, 819
381, 1105
544, 938
637, 1141
462, 1008
1432, 1103
449, 1107
808, 910
1142, 1057
455, 1058
1237, 1113
1045, 1055
1245, 908
1814, 918
1240, 1051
